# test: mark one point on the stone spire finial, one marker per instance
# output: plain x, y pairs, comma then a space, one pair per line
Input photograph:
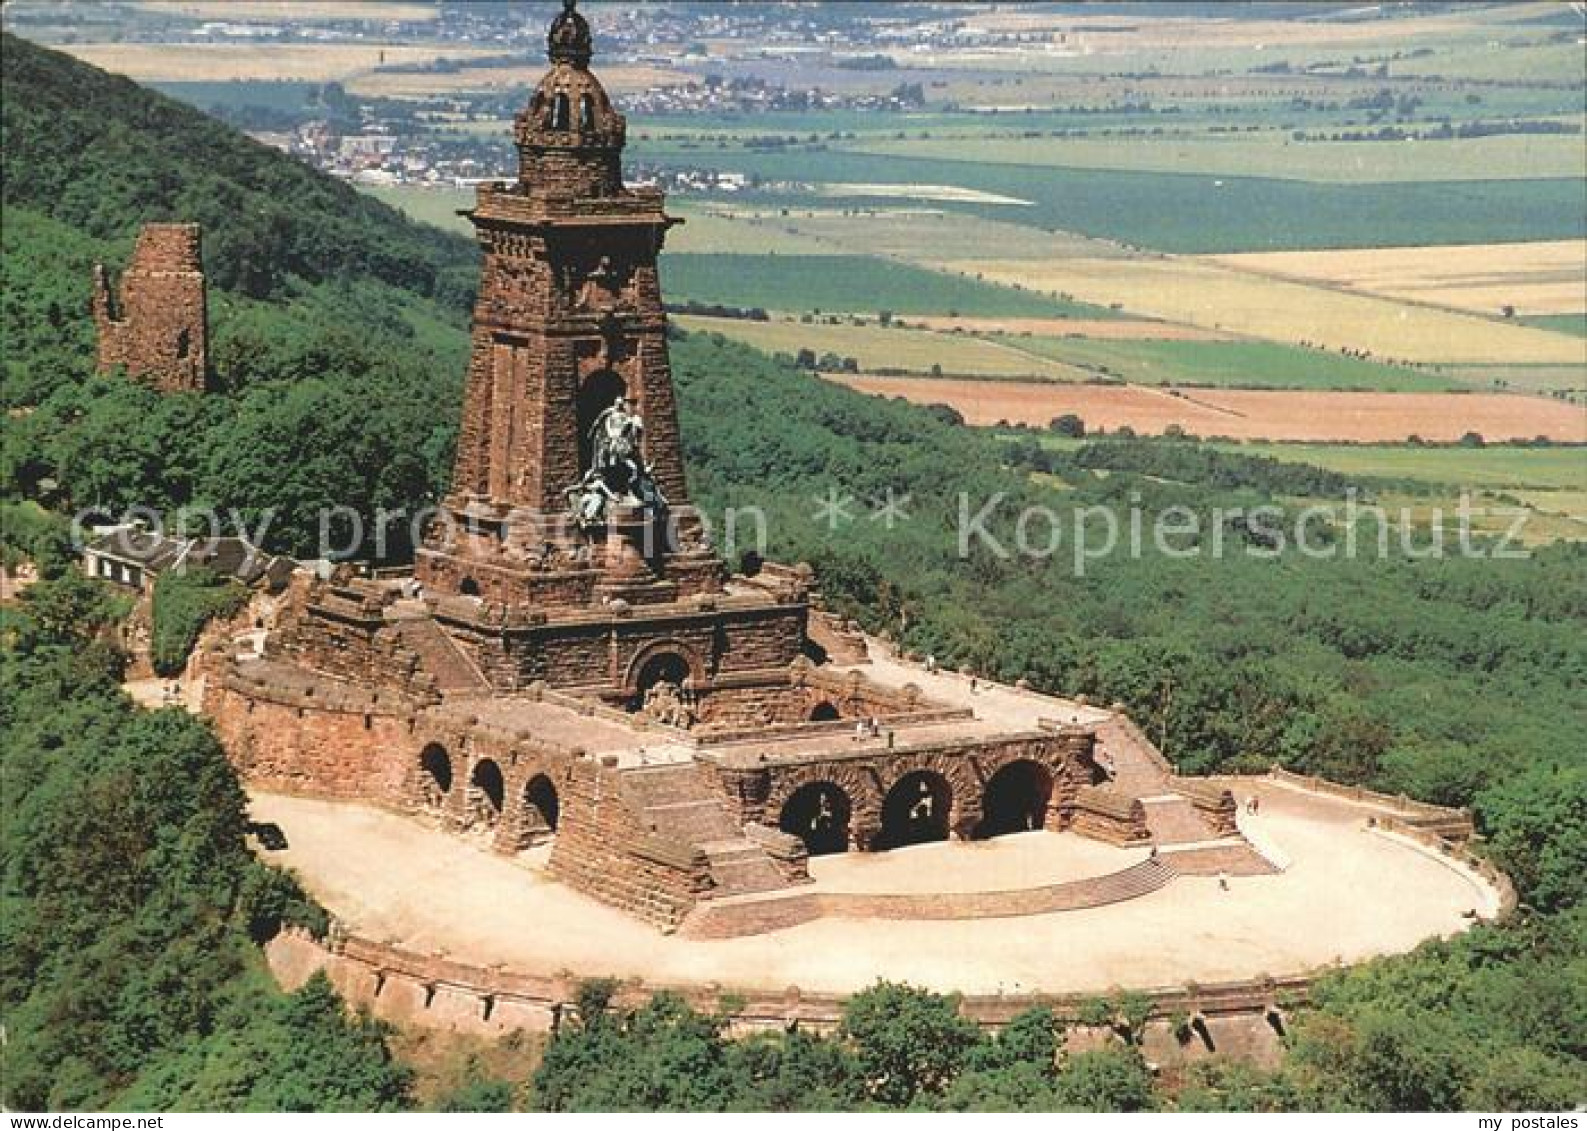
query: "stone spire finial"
569, 39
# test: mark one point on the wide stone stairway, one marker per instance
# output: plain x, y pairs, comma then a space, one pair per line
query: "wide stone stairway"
453, 672
679, 801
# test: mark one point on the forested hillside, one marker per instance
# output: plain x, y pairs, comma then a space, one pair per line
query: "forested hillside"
339, 344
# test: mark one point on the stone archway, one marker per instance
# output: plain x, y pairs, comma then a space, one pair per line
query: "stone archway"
1015, 800
435, 777
542, 809
859, 786
662, 682
825, 712
818, 814
916, 810
486, 797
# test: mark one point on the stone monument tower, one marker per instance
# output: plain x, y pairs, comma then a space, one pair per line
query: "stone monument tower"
569, 485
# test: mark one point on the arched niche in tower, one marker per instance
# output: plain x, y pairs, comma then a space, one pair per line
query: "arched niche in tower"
596, 394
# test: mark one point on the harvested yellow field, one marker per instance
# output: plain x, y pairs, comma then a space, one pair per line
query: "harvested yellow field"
477, 80
1206, 293
1102, 329
1244, 414
1534, 278
878, 347
224, 62
295, 11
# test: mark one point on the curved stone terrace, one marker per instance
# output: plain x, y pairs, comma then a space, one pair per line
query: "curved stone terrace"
1350, 891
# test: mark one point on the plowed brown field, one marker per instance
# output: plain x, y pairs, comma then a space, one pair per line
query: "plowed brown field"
1245, 414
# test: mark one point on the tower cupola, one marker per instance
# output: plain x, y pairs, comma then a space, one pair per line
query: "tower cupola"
570, 137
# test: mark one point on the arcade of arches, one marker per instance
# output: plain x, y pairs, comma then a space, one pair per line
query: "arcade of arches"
483, 805
917, 808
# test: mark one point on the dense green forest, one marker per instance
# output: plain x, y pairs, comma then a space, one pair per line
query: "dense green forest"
129, 973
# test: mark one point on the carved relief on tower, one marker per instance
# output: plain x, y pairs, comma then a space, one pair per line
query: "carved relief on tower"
592, 281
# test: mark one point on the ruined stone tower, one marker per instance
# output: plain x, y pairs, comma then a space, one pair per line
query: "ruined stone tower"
157, 326
569, 319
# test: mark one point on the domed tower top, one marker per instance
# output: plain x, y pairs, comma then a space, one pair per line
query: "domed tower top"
570, 137
569, 40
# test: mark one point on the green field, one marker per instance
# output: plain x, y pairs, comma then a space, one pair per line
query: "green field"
1563, 323
704, 231
1555, 380
1269, 153
922, 231
878, 348
1558, 469
847, 283
426, 205
212, 96
1266, 365
1171, 211
1494, 467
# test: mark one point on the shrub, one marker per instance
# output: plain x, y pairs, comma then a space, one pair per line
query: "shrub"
184, 602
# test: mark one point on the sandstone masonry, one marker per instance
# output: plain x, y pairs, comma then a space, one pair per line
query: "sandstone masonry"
156, 326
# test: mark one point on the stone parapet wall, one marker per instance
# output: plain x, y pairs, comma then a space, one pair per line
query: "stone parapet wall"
1243, 1018
1456, 852
1453, 824
334, 749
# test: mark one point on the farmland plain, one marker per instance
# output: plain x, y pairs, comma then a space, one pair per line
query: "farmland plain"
1542, 278
229, 62
1497, 468
1244, 414
1236, 364
880, 348
1206, 293
303, 11
1270, 153
1285, 206
1177, 212
848, 283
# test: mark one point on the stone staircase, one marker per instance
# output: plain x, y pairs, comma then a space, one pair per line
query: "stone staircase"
680, 802
1219, 859
751, 914
453, 672
1139, 768
1174, 820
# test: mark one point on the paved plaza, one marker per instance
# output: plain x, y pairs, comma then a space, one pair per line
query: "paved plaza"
1347, 893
